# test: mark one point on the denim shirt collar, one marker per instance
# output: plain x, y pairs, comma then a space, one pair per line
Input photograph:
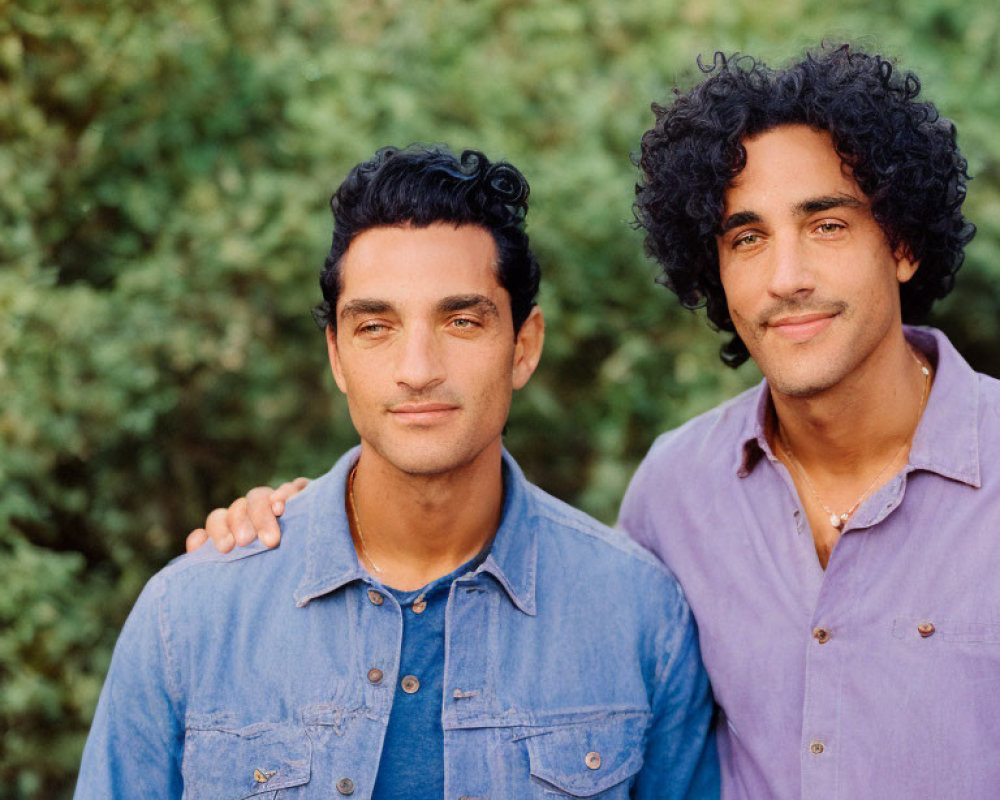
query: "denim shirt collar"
331, 561
947, 437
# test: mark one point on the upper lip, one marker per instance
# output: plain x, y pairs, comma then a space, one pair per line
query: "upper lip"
420, 408
799, 319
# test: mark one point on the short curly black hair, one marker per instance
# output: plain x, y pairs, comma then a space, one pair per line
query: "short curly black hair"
423, 184
902, 152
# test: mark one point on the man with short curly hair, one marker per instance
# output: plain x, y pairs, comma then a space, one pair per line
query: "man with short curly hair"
434, 625
835, 529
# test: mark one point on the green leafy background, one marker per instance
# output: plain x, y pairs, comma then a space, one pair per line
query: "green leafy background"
165, 169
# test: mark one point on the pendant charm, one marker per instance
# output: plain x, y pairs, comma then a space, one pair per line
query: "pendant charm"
837, 521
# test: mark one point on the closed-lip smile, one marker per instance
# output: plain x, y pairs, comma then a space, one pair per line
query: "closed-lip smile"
801, 327
422, 413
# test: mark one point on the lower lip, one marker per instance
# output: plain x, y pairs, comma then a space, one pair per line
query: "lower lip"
804, 331
423, 417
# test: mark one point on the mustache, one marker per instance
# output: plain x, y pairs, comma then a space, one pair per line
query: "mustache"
788, 306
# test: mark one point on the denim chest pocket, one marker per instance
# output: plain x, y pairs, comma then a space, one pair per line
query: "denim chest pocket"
588, 759
257, 761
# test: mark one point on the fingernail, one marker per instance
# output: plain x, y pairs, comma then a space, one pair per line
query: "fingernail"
277, 507
226, 543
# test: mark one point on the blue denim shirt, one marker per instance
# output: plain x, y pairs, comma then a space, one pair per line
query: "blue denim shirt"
571, 668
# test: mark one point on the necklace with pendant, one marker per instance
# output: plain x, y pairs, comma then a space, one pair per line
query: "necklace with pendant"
838, 521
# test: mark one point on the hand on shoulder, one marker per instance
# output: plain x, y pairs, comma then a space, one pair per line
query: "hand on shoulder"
248, 518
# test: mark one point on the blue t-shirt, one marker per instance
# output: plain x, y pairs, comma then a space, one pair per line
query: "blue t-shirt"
412, 762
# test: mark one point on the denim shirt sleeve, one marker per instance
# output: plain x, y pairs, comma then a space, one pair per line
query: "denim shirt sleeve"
134, 746
681, 759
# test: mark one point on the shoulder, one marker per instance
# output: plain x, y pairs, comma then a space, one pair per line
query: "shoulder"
206, 559
591, 575
703, 448
207, 576
570, 526
989, 415
989, 388
599, 562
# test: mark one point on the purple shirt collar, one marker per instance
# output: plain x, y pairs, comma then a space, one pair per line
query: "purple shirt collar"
947, 439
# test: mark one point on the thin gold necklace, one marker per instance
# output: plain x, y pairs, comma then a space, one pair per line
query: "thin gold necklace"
357, 522
838, 521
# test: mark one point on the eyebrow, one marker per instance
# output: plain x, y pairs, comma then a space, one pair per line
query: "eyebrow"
739, 218
452, 303
811, 205
356, 308
466, 302
825, 203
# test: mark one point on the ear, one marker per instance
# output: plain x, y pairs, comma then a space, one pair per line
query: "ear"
335, 366
906, 265
528, 347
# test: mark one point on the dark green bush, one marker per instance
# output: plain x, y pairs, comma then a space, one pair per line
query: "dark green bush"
165, 170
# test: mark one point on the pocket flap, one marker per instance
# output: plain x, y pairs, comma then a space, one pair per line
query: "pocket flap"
583, 759
231, 764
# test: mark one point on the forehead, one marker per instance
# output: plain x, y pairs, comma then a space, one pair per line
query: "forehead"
787, 164
406, 262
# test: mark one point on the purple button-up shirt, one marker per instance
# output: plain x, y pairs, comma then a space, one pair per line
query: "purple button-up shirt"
880, 677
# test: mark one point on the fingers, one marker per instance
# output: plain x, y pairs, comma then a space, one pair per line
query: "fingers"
248, 518
262, 517
284, 492
238, 522
195, 539
218, 530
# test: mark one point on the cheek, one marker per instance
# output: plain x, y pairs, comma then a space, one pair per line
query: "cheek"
734, 289
492, 387
738, 301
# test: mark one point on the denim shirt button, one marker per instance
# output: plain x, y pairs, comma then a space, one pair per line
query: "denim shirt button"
345, 786
410, 684
375, 597
593, 760
375, 675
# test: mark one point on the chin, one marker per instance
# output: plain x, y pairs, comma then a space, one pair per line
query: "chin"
804, 386
429, 461
802, 382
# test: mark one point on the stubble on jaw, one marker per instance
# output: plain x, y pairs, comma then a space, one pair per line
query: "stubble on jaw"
798, 372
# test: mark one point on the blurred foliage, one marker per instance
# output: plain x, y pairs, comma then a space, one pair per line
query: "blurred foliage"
166, 168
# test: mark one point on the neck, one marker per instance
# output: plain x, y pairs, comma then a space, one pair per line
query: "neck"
840, 446
857, 424
416, 528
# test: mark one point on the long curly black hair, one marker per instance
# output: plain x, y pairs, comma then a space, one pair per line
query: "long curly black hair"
423, 184
902, 152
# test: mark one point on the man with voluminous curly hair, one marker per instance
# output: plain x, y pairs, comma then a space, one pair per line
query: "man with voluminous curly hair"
835, 529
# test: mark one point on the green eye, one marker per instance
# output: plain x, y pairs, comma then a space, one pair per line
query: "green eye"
829, 227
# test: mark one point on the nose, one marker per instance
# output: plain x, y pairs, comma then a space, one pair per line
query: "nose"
419, 363
790, 271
